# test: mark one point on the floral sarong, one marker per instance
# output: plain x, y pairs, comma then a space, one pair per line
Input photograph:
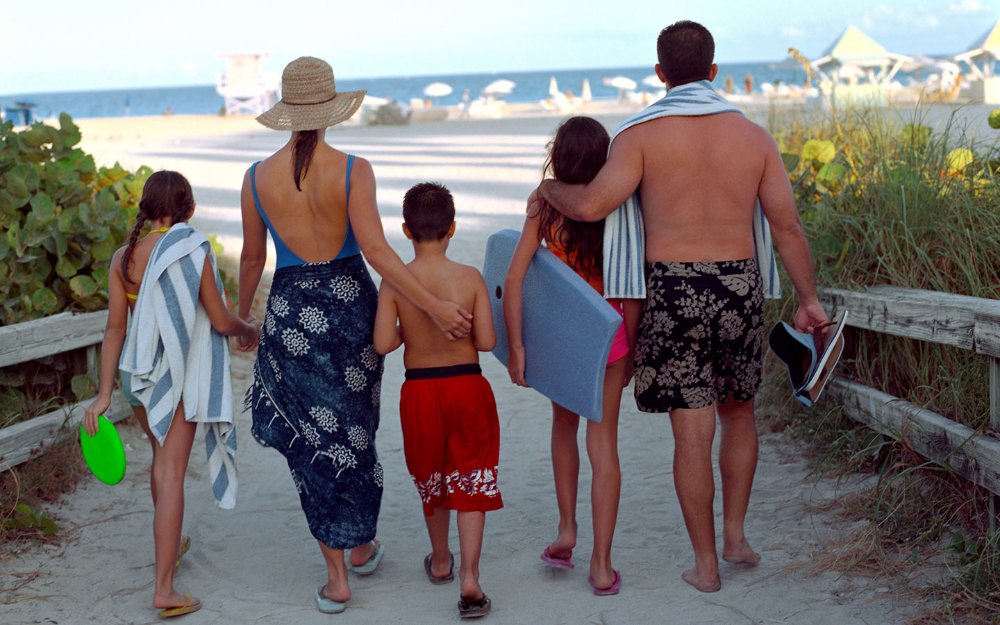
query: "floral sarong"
315, 395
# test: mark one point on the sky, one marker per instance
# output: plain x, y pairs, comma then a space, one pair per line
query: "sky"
69, 45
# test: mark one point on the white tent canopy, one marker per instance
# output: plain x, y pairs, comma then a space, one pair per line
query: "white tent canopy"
985, 50
856, 49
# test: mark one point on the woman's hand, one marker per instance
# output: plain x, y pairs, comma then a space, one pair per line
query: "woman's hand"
249, 342
96, 408
452, 319
516, 365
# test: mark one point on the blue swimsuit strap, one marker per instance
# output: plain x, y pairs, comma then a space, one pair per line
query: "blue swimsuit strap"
350, 247
283, 251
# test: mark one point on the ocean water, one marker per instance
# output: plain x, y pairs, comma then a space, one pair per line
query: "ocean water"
530, 87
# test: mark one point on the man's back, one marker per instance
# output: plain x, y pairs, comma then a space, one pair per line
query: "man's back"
700, 180
424, 344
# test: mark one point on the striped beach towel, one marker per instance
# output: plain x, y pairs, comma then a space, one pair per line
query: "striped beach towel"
624, 238
174, 354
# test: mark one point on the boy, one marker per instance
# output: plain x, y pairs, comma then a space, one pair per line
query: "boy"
451, 433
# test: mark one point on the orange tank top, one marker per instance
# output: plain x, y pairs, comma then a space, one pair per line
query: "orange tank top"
594, 280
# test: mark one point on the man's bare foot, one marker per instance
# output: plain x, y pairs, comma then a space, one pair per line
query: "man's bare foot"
704, 585
741, 554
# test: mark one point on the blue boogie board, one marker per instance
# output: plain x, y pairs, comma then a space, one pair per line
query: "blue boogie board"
567, 329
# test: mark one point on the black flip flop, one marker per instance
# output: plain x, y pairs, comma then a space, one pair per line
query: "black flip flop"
444, 579
467, 608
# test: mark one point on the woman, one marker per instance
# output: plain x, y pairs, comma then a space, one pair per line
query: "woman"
315, 395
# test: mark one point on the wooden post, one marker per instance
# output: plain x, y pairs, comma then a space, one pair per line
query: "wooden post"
995, 425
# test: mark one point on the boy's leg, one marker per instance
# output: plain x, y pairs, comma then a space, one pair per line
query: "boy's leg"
566, 474
169, 466
605, 489
437, 530
694, 430
470, 540
737, 463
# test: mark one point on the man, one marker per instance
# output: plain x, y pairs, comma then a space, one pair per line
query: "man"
698, 179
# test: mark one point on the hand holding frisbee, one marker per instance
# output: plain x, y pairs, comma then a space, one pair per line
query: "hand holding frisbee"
103, 452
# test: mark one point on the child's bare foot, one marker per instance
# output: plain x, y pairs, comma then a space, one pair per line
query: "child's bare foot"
562, 547
174, 599
712, 584
471, 590
741, 554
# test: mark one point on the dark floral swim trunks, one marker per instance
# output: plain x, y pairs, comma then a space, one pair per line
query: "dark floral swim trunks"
701, 337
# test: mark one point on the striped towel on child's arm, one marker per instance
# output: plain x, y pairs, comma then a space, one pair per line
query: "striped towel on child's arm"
174, 354
624, 238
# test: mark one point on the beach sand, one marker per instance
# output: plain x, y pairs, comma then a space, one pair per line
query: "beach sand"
259, 564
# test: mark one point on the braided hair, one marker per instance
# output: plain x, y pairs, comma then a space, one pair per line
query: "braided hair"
576, 154
166, 195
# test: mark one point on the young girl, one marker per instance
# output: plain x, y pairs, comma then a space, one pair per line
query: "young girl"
167, 202
576, 154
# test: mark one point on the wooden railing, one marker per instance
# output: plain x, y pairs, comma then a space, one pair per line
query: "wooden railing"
965, 322
27, 341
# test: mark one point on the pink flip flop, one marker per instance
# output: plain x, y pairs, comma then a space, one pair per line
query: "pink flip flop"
610, 590
557, 562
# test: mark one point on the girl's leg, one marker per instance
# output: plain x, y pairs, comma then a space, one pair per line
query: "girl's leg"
437, 530
470, 541
336, 587
602, 449
566, 472
169, 466
140, 415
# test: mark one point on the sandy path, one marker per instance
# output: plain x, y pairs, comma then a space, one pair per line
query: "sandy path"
258, 564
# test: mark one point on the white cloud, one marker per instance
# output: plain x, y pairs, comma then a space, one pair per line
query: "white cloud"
793, 31
884, 17
966, 7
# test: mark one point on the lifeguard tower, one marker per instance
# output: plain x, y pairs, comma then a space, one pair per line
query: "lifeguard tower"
246, 88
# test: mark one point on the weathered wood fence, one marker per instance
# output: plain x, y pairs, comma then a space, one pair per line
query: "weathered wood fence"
965, 322
27, 341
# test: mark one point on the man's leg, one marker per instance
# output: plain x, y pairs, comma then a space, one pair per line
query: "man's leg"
737, 463
694, 430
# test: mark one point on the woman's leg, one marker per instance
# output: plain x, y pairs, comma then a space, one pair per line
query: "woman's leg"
336, 587
566, 472
169, 466
605, 489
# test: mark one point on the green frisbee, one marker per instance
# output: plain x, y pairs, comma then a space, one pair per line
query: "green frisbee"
103, 452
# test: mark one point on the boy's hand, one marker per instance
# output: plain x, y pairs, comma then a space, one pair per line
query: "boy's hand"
516, 364
96, 408
452, 319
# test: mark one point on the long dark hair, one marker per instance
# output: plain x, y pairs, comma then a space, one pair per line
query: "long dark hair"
166, 195
304, 146
576, 154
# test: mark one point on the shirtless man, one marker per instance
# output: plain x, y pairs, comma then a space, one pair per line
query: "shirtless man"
701, 336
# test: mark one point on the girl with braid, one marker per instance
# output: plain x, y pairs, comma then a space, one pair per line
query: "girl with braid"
166, 204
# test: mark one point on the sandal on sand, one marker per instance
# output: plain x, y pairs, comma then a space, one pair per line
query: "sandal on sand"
610, 590
371, 565
326, 605
556, 561
444, 579
190, 605
468, 608
185, 546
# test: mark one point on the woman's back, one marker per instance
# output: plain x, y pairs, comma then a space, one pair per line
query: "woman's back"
313, 223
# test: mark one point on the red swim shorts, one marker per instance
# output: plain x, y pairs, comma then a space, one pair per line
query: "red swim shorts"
451, 438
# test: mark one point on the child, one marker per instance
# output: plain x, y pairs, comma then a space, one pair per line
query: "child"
178, 251
451, 433
576, 154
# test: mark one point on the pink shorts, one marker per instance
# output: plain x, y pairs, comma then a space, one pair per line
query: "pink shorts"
619, 346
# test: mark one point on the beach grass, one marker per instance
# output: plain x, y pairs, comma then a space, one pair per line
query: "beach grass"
885, 199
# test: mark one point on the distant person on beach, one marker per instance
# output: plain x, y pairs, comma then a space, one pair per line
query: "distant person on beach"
698, 167
576, 154
315, 393
729, 85
748, 83
451, 432
166, 396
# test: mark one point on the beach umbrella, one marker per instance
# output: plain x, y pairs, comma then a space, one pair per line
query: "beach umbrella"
499, 87
585, 93
437, 90
653, 81
621, 83
553, 87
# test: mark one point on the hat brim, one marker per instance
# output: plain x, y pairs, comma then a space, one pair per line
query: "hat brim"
295, 117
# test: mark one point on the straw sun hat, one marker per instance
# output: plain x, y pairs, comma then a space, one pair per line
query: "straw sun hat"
309, 98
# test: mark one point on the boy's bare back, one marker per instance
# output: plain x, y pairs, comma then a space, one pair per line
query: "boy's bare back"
424, 344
